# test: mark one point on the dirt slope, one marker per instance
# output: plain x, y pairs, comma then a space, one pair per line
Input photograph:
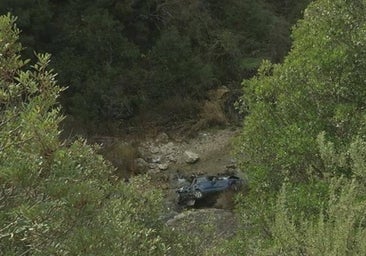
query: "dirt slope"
166, 154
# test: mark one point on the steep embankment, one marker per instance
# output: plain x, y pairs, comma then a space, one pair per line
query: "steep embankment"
169, 159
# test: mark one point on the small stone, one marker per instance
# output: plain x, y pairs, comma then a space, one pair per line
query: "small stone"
156, 160
154, 149
172, 158
162, 138
163, 167
141, 163
152, 166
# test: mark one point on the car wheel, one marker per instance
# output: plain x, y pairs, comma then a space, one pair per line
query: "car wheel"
198, 194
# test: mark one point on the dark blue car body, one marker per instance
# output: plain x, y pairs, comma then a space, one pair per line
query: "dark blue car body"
204, 186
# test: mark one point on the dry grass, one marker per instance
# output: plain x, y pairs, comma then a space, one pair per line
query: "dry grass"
122, 156
213, 114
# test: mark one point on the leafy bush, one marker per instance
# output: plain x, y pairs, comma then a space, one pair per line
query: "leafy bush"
336, 229
313, 91
303, 141
59, 199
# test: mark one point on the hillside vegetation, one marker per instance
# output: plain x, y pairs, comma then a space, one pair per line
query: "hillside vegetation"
129, 62
58, 199
302, 145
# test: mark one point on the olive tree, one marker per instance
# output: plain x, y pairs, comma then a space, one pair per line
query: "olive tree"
61, 198
318, 89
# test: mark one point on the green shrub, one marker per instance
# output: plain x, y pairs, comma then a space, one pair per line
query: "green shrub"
337, 228
59, 199
311, 92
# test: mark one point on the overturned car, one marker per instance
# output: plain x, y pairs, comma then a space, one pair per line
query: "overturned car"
205, 187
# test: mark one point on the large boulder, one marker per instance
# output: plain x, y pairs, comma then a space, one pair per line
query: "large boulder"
191, 157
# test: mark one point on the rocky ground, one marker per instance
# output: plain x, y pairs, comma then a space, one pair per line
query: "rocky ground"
207, 153
173, 156
170, 160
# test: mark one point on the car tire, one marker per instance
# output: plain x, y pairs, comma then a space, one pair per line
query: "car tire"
198, 194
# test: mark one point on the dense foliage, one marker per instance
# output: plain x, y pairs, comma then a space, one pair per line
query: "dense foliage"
313, 104
121, 58
303, 143
58, 199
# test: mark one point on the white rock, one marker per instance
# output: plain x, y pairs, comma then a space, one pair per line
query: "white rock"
191, 157
156, 160
163, 166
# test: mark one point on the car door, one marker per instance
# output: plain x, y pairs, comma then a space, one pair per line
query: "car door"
219, 184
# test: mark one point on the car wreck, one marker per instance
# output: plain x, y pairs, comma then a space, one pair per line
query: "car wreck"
205, 187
